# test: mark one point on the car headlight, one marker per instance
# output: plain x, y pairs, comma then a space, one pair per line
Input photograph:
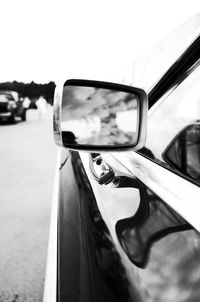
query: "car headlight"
11, 105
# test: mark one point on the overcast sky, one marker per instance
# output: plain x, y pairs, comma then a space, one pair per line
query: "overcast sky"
45, 40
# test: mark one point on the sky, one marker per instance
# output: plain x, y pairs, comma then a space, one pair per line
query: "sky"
51, 40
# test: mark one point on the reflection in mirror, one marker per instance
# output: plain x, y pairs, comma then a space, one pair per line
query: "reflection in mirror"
98, 116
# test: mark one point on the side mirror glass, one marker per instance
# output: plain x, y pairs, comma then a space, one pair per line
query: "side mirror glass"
99, 116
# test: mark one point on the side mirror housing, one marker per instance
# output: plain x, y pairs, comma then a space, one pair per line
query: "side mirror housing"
99, 116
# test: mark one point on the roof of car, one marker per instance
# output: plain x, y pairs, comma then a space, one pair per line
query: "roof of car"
150, 68
14, 94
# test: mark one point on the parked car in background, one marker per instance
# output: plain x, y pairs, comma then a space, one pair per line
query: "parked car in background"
126, 211
11, 106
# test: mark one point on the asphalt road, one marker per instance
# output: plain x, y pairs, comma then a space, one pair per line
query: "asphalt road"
27, 166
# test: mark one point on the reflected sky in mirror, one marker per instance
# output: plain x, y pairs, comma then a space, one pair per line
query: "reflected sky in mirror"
97, 116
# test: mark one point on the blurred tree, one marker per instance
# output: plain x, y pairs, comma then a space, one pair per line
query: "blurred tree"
31, 90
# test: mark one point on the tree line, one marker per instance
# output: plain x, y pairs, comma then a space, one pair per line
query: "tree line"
31, 90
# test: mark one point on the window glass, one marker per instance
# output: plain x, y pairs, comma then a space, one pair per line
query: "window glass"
184, 152
173, 129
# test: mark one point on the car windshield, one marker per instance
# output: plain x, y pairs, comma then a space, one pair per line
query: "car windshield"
150, 67
6, 97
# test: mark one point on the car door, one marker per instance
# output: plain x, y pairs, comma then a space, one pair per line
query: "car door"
164, 245
137, 238
162, 241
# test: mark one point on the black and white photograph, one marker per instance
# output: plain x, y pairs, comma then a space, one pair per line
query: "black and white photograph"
100, 151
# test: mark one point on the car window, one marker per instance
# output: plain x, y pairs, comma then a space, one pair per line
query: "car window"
173, 129
6, 97
183, 153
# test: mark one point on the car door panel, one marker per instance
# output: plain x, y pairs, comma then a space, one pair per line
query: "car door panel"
96, 270
99, 249
170, 245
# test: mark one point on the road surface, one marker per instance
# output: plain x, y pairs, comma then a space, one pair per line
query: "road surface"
27, 166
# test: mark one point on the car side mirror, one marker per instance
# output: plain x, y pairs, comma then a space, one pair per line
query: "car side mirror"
99, 116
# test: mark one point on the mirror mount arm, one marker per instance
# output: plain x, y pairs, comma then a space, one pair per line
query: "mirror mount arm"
103, 173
